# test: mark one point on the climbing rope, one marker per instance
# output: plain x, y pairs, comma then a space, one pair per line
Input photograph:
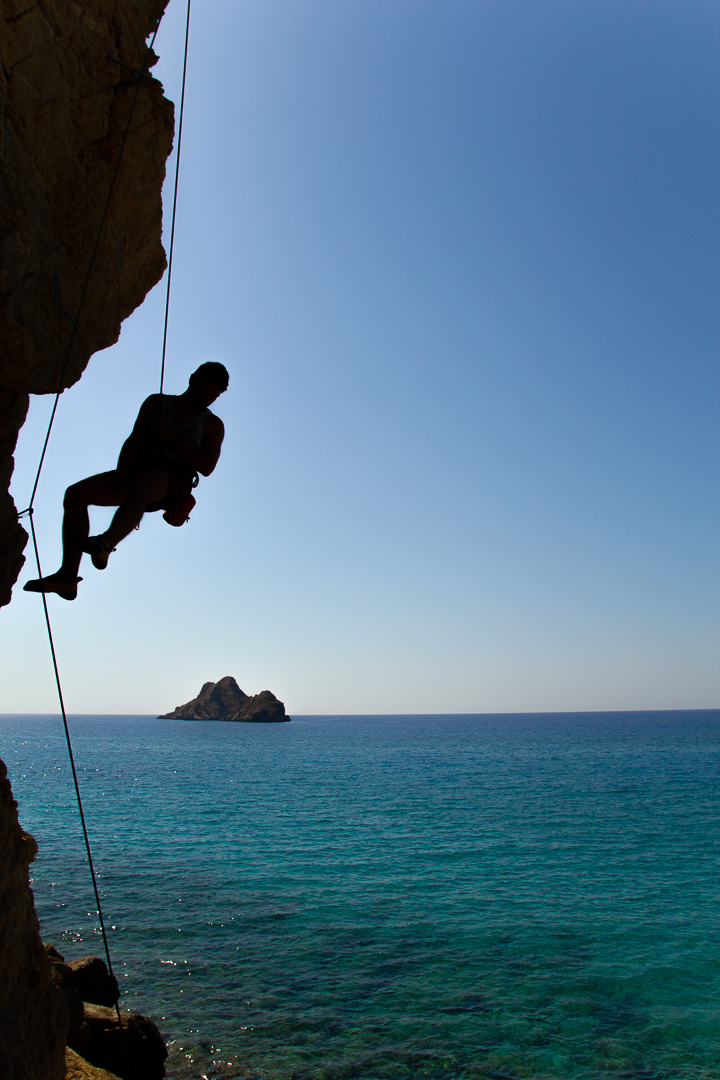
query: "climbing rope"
29, 511
174, 206
72, 761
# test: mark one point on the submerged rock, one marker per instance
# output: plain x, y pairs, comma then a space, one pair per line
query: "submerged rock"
224, 700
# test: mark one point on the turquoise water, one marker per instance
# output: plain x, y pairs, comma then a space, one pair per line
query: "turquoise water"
382, 897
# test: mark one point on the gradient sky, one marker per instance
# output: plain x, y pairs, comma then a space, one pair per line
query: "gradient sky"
461, 260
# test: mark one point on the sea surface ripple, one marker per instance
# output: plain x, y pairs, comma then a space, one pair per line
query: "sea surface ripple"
394, 896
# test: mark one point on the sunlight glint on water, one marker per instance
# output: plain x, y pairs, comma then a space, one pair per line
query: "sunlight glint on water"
394, 896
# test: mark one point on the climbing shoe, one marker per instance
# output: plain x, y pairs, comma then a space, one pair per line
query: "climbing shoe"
54, 583
98, 549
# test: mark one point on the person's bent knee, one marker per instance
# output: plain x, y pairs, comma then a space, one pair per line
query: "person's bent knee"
73, 495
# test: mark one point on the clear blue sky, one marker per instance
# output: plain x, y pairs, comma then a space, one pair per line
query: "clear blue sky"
461, 259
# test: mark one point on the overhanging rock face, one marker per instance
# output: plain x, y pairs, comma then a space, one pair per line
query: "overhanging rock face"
64, 109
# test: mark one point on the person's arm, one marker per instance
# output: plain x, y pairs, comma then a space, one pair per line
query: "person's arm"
202, 458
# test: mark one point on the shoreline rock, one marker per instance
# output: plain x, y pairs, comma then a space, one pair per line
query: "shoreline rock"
135, 1052
224, 700
77, 1068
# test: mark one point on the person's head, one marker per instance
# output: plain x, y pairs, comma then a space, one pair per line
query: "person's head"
208, 382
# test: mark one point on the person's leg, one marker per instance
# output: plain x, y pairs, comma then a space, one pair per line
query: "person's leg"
100, 490
146, 487
149, 486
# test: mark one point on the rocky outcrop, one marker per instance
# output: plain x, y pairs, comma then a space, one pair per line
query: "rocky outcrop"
93, 981
214, 702
263, 708
64, 979
134, 1052
68, 81
33, 1013
224, 700
78, 1068
13, 410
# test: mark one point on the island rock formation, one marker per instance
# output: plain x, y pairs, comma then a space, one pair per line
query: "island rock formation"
224, 700
69, 81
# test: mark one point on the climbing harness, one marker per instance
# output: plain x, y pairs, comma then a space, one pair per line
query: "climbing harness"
138, 76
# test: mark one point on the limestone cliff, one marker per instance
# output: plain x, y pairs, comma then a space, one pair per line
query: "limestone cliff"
68, 78
33, 1014
224, 700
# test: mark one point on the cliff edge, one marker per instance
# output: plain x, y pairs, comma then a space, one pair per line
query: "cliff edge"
68, 78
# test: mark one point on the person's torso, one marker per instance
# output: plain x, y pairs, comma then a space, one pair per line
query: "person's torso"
189, 431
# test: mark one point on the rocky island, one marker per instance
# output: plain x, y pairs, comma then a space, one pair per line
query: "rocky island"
224, 700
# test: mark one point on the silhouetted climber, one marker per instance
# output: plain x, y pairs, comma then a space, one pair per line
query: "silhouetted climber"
173, 439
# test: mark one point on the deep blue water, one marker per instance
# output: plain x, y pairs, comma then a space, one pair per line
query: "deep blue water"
382, 897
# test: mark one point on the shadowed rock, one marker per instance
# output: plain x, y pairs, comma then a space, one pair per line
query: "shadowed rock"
64, 979
224, 700
135, 1052
93, 981
214, 702
77, 1068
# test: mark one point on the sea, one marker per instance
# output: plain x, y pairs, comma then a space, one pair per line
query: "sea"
389, 897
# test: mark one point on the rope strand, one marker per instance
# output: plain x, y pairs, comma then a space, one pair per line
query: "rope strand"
70, 753
174, 206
